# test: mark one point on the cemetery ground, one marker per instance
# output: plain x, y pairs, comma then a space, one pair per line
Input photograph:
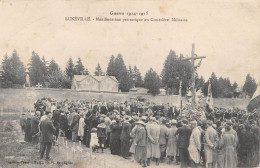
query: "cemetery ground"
14, 152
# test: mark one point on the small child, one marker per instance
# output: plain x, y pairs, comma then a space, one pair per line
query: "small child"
94, 140
101, 133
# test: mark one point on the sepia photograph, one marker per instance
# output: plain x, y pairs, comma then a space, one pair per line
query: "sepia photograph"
129, 84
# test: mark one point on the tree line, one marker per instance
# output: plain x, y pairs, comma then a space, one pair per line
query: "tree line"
174, 70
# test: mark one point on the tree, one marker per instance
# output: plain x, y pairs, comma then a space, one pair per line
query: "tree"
6, 75
121, 74
138, 78
175, 70
98, 71
216, 90
69, 71
86, 72
205, 88
37, 69
250, 85
13, 70
111, 66
57, 79
225, 88
199, 82
79, 68
234, 86
152, 82
53, 67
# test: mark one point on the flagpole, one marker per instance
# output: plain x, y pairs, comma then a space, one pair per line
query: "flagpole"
180, 97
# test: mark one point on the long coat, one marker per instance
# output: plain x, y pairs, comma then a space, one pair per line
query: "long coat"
133, 135
211, 137
184, 133
81, 127
115, 145
153, 133
195, 145
74, 121
27, 130
228, 142
171, 149
35, 125
47, 130
126, 130
163, 135
141, 141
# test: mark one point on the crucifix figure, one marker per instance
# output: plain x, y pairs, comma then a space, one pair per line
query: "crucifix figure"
193, 58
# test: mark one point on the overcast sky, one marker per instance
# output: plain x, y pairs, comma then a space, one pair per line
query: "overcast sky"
227, 33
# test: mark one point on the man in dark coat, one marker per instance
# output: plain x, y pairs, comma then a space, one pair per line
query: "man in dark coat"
125, 137
183, 142
88, 126
74, 124
35, 127
56, 121
47, 131
28, 134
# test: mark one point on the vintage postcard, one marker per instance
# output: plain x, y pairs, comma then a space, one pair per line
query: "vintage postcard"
109, 83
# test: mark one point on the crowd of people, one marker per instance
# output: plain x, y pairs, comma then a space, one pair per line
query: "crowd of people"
150, 132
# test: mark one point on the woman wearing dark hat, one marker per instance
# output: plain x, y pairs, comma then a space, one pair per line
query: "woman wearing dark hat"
125, 137
115, 144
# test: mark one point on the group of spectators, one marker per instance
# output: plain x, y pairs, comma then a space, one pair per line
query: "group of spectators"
153, 132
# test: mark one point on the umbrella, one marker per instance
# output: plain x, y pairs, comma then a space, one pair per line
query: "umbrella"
255, 101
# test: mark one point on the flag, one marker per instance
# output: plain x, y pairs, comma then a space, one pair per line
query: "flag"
209, 100
255, 100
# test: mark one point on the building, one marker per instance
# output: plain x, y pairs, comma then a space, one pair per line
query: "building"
138, 90
95, 83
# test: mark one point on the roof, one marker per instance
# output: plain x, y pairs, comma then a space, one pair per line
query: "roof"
162, 90
80, 78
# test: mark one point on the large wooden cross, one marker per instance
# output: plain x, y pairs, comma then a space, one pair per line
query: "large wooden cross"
193, 58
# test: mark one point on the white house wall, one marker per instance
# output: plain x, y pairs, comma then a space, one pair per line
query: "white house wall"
88, 84
108, 84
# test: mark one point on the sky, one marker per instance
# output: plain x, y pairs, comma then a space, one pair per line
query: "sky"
227, 33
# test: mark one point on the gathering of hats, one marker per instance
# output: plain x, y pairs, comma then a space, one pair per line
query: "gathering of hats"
151, 133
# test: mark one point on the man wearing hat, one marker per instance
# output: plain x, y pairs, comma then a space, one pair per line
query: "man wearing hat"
47, 131
56, 120
172, 142
35, 127
153, 146
125, 137
195, 144
184, 133
211, 138
140, 143
163, 138
74, 124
